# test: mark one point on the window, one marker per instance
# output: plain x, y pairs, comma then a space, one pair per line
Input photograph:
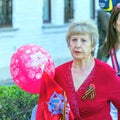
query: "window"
92, 9
47, 11
5, 13
68, 10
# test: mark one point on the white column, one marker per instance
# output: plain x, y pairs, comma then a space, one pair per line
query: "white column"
57, 12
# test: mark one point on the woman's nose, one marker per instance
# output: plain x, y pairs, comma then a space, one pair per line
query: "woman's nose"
78, 44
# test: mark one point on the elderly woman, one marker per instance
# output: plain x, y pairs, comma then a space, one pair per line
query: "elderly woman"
89, 83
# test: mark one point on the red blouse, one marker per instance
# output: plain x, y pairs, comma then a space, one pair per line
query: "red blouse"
107, 88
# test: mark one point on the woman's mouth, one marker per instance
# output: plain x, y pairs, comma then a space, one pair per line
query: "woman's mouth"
77, 51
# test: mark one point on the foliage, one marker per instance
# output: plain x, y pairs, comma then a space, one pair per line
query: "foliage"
16, 104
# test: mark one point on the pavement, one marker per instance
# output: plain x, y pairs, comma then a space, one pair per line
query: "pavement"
53, 41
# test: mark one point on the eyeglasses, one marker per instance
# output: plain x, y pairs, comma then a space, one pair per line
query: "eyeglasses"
117, 7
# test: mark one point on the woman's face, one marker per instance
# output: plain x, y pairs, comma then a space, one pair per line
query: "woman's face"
117, 25
81, 46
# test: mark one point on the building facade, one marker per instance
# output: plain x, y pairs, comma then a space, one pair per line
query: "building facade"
38, 22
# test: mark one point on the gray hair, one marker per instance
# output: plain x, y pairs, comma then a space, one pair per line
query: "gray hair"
83, 27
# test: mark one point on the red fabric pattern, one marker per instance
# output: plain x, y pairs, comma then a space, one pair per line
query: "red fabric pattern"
47, 89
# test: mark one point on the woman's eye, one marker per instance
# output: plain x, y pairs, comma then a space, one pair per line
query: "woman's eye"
74, 39
83, 40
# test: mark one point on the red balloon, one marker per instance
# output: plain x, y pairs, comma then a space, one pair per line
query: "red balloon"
27, 66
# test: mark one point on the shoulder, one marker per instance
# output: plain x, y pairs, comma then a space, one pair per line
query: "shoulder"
102, 64
102, 13
63, 66
105, 72
100, 54
103, 67
61, 73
